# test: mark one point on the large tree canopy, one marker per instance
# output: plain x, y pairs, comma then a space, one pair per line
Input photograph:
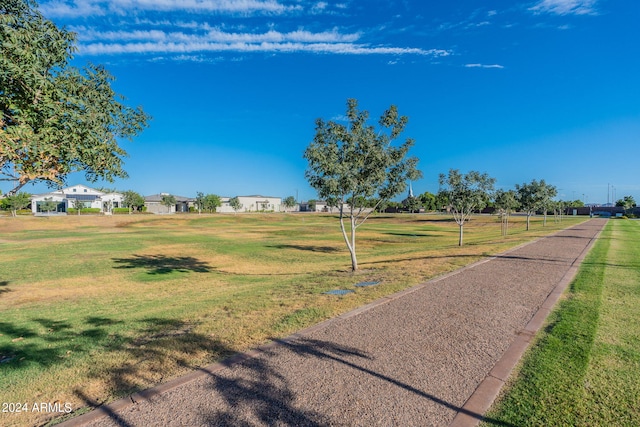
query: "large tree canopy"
350, 165
56, 119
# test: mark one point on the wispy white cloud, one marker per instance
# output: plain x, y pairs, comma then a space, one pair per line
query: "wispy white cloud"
192, 46
214, 35
566, 7
84, 8
187, 58
319, 7
484, 66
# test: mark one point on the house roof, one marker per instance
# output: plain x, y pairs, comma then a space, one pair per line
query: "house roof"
258, 196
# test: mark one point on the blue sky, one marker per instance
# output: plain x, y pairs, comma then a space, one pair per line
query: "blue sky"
522, 90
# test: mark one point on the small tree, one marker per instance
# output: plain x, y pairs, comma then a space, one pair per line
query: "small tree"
532, 197
558, 207
168, 200
48, 205
211, 202
235, 204
133, 201
200, 201
108, 207
412, 204
289, 202
505, 203
548, 193
464, 194
77, 205
17, 202
358, 162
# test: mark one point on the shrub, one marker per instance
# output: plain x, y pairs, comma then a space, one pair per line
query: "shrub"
90, 210
120, 210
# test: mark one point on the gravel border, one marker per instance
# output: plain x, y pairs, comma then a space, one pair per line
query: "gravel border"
435, 354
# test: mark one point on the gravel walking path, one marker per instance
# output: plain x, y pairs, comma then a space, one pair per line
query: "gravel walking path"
412, 359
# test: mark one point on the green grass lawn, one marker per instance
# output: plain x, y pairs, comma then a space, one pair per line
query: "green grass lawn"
95, 308
584, 369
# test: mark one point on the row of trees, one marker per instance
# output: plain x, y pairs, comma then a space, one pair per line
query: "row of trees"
464, 194
356, 168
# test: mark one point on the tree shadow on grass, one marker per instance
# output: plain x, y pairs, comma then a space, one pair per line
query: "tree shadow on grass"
3, 287
161, 264
411, 234
310, 248
49, 342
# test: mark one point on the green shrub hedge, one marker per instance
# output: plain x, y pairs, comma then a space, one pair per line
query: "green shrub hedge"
74, 211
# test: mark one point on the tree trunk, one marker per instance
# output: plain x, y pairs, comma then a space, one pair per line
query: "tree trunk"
461, 224
354, 260
351, 243
528, 217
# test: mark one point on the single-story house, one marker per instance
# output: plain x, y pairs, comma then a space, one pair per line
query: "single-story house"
60, 201
254, 203
321, 206
154, 204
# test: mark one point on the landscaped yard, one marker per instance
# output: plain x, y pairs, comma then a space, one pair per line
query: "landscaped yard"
584, 369
93, 308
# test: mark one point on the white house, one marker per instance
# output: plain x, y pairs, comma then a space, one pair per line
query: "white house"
73, 197
254, 203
